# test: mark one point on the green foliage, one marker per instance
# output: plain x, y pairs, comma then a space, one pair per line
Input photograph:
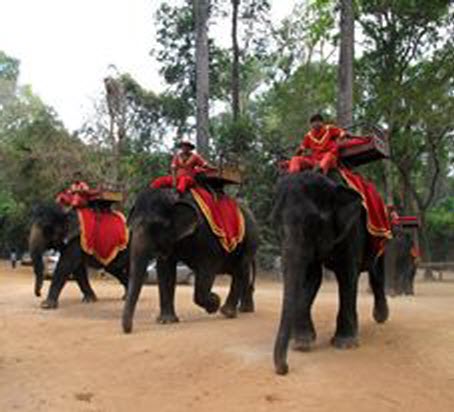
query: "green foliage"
9, 72
141, 168
440, 229
176, 55
38, 159
406, 49
287, 107
440, 219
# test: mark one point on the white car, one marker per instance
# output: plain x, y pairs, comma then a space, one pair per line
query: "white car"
50, 263
185, 275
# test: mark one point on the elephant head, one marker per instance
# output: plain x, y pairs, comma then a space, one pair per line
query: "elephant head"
161, 219
49, 230
315, 212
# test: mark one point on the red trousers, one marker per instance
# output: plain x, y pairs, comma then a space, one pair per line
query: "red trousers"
326, 161
184, 182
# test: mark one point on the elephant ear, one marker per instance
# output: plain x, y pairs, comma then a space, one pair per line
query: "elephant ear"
347, 211
186, 219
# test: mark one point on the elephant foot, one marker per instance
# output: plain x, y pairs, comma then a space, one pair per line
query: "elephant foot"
303, 343
391, 292
49, 304
247, 307
381, 313
281, 368
342, 342
127, 326
165, 319
229, 311
37, 293
89, 298
213, 303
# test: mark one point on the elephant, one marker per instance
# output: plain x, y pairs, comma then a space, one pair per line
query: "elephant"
321, 222
171, 229
400, 278
54, 228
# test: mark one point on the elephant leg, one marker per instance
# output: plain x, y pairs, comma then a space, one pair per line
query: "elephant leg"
38, 243
346, 335
247, 290
122, 277
303, 329
410, 288
137, 272
400, 279
81, 276
377, 284
203, 296
167, 280
38, 266
229, 309
70, 260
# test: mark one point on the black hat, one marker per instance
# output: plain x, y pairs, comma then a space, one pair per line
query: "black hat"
316, 118
186, 143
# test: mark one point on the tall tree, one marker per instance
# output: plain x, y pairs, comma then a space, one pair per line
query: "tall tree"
346, 58
235, 62
201, 12
408, 47
9, 72
116, 104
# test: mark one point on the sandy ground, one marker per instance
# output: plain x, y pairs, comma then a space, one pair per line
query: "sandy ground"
77, 359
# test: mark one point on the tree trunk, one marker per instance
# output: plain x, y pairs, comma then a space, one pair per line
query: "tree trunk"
388, 182
345, 70
201, 9
116, 104
236, 62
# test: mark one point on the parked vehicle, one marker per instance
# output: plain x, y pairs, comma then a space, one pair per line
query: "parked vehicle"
26, 259
185, 276
50, 263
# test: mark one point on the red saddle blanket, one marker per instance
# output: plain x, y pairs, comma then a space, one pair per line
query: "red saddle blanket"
223, 215
378, 224
102, 233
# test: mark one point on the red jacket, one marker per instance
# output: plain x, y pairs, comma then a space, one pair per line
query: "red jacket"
188, 167
322, 140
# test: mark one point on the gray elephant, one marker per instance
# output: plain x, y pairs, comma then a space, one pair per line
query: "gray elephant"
322, 223
172, 229
401, 264
54, 228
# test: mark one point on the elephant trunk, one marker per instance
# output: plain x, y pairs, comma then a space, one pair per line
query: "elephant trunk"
137, 272
295, 269
36, 246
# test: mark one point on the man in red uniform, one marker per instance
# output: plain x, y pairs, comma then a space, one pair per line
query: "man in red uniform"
319, 148
76, 195
185, 166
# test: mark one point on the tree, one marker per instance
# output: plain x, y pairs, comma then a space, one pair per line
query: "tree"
201, 11
9, 73
345, 70
407, 49
116, 104
235, 62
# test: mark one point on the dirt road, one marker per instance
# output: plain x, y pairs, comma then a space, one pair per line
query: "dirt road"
77, 359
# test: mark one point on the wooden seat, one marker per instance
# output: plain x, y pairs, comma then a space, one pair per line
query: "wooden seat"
359, 151
225, 174
110, 196
409, 221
